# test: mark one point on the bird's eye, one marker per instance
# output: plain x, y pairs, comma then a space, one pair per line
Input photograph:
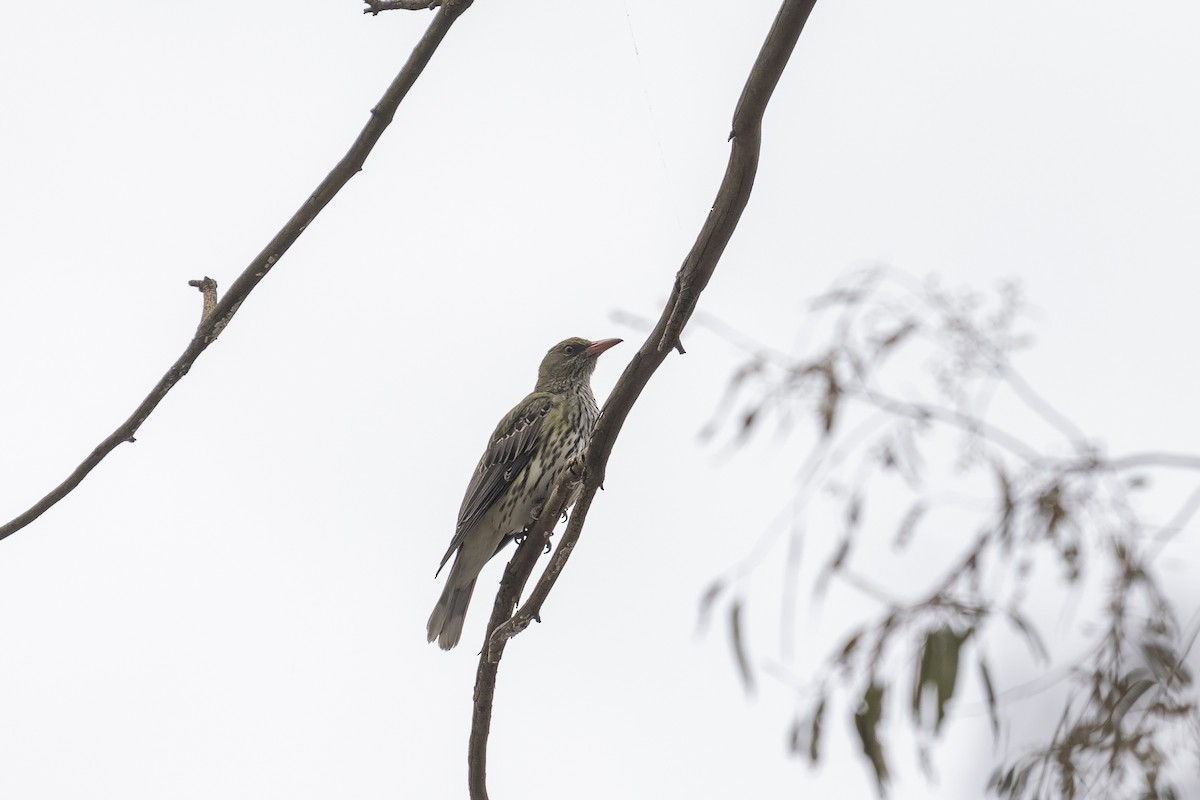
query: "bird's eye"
569, 349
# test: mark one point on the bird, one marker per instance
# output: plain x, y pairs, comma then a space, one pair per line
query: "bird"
525, 455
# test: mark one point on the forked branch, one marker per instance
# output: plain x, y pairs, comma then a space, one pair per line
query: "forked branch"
690, 281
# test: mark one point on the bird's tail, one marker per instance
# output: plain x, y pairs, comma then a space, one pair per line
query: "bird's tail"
446, 621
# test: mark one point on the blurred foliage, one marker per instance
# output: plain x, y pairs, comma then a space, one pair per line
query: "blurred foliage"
908, 380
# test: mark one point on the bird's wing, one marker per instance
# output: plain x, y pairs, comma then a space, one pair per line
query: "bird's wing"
512, 446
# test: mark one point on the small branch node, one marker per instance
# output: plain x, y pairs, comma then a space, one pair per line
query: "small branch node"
207, 287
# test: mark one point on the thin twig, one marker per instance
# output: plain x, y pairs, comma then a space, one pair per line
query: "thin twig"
922, 412
1181, 461
690, 281
375, 6
214, 322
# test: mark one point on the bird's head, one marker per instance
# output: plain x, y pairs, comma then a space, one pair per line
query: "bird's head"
570, 362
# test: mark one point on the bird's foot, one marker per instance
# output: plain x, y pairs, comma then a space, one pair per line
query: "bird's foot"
577, 464
521, 537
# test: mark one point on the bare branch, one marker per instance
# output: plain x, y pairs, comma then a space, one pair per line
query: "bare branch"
222, 313
375, 6
690, 281
692, 277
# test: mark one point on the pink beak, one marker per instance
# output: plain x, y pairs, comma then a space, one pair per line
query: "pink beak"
598, 347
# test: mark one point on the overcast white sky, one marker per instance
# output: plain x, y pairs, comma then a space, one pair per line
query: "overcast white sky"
234, 606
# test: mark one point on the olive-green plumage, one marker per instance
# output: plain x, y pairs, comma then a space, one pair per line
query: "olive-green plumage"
527, 452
